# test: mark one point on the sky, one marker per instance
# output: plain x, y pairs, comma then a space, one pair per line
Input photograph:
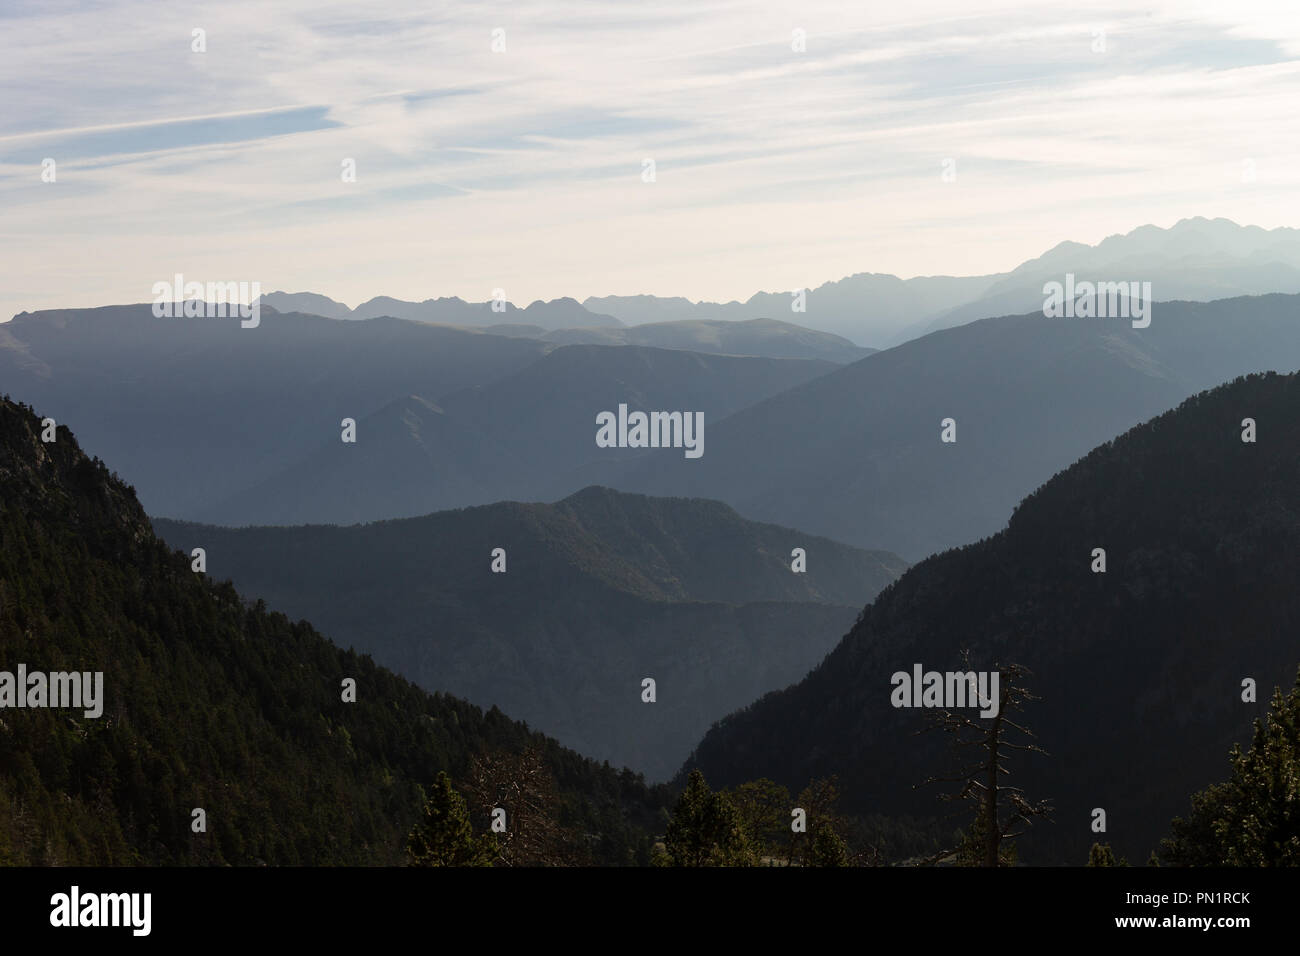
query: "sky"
792, 143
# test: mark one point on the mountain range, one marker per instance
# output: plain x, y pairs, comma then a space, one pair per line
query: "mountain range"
858, 453
682, 575
451, 418
764, 338
529, 435
1196, 259
563, 313
194, 412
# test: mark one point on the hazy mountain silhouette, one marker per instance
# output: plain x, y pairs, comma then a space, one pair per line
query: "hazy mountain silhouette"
600, 591
868, 309
758, 337
530, 435
762, 337
308, 302
1140, 668
1195, 259
857, 453
559, 313
192, 410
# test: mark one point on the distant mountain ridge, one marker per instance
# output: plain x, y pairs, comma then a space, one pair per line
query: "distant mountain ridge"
565, 322
528, 436
599, 591
858, 453
559, 313
193, 410
868, 309
765, 338
450, 417
1196, 259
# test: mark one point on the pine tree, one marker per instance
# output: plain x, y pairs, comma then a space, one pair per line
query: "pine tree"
1102, 855
827, 848
706, 829
1254, 818
444, 837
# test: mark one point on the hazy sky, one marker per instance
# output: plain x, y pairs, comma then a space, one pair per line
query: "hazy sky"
523, 169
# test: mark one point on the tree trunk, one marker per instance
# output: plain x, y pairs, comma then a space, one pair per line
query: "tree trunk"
993, 836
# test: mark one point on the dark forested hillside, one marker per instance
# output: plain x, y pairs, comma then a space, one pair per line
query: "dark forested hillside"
211, 703
598, 592
1140, 668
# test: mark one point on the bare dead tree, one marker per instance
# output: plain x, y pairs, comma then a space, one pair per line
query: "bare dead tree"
1003, 809
523, 786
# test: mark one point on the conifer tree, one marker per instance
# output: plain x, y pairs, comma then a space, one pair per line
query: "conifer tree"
827, 848
1254, 818
1102, 855
444, 836
706, 829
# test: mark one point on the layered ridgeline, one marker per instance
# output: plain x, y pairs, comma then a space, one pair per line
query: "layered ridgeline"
214, 422
565, 322
563, 313
208, 702
769, 338
869, 309
1197, 259
597, 593
859, 454
192, 410
530, 435
236, 426
1140, 668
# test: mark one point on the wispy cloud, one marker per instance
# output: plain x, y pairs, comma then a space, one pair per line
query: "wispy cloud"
523, 169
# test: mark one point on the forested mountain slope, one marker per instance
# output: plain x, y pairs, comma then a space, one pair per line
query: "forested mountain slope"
208, 702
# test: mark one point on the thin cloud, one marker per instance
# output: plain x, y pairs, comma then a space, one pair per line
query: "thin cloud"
475, 170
